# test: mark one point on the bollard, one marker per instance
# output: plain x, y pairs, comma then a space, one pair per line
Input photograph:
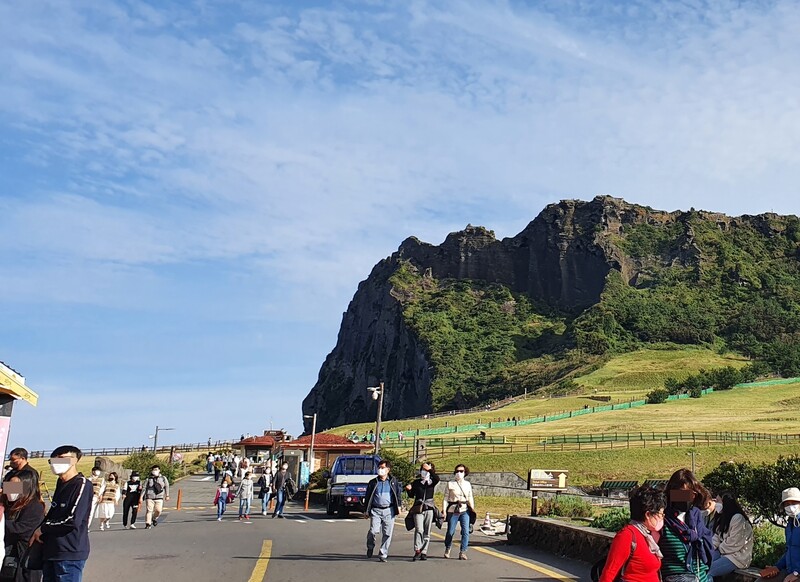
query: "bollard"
180, 498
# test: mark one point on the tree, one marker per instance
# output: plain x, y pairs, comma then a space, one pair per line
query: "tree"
657, 396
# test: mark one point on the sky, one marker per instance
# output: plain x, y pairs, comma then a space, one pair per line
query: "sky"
191, 191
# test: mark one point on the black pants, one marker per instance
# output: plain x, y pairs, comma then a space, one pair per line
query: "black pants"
128, 505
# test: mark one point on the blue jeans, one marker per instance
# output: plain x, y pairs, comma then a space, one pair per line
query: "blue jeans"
244, 506
381, 521
221, 504
281, 495
63, 570
720, 565
452, 521
264, 502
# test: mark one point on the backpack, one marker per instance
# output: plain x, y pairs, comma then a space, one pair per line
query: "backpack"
597, 567
157, 486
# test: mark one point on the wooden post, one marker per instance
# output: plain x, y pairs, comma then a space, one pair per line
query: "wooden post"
534, 503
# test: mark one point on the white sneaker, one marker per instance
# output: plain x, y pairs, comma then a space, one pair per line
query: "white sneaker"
133, 526
102, 527
263, 513
219, 519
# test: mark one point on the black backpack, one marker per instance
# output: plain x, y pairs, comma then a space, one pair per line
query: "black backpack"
157, 487
597, 567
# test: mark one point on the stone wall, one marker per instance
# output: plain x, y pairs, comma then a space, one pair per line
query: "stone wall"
498, 485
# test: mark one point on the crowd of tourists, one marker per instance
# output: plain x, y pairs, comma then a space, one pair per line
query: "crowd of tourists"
274, 485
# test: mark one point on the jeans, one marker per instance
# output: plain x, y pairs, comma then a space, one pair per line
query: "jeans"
422, 531
381, 521
63, 570
244, 506
265, 502
720, 565
222, 502
452, 521
281, 495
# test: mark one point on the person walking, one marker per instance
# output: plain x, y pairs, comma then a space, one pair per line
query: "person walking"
264, 481
63, 533
130, 503
154, 492
98, 486
423, 509
245, 496
634, 554
24, 511
685, 540
732, 542
383, 505
108, 501
282, 485
218, 464
210, 463
789, 564
459, 507
221, 499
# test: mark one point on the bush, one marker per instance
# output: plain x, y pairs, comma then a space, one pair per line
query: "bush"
657, 396
142, 462
613, 520
402, 468
762, 489
769, 544
696, 392
565, 506
317, 479
673, 385
730, 477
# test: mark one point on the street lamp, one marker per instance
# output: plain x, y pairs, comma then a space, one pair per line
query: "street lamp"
310, 455
155, 437
377, 394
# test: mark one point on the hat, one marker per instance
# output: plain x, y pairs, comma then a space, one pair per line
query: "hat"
790, 494
134, 473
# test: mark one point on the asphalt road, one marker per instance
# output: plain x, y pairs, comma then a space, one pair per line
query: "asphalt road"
191, 545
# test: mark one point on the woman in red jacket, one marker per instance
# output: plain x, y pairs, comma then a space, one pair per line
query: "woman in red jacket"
634, 555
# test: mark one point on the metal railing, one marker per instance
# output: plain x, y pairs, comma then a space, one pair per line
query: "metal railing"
119, 451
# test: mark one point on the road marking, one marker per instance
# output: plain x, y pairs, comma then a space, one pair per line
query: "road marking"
260, 569
521, 562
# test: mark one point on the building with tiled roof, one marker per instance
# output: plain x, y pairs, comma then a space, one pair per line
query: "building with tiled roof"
327, 447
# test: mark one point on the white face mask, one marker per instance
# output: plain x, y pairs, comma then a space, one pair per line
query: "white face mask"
792, 510
718, 507
424, 475
96, 473
60, 467
156, 473
12, 496
383, 471
459, 475
135, 478
284, 467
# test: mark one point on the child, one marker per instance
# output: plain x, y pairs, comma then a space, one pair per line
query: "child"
221, 499
245, 496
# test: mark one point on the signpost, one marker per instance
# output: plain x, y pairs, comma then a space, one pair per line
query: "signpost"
545, 480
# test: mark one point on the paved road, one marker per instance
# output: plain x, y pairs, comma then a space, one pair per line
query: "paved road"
191, 545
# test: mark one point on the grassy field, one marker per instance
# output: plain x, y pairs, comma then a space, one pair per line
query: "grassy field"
590, 468
622, 378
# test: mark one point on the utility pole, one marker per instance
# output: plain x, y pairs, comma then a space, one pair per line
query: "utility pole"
311, 457
377, 394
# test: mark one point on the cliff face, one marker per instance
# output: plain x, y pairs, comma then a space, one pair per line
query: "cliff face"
561, 259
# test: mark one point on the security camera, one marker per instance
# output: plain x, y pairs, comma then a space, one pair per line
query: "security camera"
375, 395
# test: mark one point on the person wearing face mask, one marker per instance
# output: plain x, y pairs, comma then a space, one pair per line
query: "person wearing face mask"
108, 501
788, 567
130, 502
424, 508
154, 492
634, 554
18, 460
63, 533
733, 537
383, 505
23, 513
685, 540
98, 486
459, 507
282, 485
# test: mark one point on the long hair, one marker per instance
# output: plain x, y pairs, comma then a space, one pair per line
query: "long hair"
685, 479
30, 493
730, 508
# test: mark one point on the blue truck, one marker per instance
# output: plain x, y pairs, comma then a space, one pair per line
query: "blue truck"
347, 483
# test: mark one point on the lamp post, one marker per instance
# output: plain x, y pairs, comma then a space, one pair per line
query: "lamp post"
310, 455
155, 437
377, 394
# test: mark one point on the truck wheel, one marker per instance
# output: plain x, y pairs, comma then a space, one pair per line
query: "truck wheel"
344, 511
330, 508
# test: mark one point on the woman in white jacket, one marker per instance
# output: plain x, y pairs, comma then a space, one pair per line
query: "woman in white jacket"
457, 506
733, 537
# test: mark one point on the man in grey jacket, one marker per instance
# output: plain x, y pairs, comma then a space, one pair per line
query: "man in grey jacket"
154, 493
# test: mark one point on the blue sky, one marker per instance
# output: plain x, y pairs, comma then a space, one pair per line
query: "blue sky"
191, 191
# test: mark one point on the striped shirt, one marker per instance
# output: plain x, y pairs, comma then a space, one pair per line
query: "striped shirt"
674, 560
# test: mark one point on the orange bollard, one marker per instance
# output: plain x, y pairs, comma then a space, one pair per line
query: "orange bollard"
180, 498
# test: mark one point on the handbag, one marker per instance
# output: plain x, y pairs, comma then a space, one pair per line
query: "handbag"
8, 571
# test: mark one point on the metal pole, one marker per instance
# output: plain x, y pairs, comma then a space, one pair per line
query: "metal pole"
311, 459
155, 440
378, 421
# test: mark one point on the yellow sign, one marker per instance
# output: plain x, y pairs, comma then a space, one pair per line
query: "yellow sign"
13, 384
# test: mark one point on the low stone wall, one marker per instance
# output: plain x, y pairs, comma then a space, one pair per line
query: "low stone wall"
498, 485
580, 542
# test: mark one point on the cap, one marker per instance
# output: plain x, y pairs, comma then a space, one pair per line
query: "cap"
134, 473
790, 494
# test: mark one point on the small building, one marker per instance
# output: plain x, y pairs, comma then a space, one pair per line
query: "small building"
261, 448
327, 447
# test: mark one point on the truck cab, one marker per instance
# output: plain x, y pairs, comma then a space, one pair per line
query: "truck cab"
347, 484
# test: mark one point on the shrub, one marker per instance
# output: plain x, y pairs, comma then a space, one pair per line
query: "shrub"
762, 489
673, 385
696, 392
565, 506
317, 479
613, 520
730, 477
144, 460
769, 544
657, 396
